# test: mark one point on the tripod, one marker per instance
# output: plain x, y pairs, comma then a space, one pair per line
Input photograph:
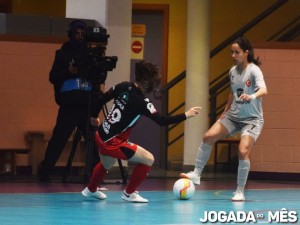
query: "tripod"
89, 159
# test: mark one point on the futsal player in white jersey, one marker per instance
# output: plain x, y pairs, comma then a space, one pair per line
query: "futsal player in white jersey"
243, 113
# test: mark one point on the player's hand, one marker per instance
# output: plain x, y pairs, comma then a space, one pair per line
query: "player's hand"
95, 121
193, 112
245, 97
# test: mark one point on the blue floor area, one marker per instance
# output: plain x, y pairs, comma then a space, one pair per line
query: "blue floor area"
163, 208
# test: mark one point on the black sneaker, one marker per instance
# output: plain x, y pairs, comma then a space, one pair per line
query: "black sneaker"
43, 177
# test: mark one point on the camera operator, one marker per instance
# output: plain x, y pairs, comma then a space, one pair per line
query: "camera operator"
74, 90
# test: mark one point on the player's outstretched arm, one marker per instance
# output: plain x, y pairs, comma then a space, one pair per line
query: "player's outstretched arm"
193, 112
167, 120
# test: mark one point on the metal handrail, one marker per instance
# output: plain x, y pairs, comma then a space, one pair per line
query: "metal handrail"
291, 34
287, 27
173, 82
247, 27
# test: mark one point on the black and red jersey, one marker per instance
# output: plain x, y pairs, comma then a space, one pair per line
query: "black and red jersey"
129, 104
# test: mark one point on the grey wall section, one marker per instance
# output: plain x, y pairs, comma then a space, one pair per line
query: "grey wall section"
2, 23
36, 25
31, 25
149, 138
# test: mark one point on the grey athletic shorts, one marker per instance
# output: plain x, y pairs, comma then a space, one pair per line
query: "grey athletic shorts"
252, 128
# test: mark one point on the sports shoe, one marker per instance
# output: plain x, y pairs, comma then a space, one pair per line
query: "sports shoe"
97, 194
43, 175
133, 197
192, 175
238, 196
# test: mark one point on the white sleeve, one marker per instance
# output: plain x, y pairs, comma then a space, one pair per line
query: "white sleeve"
258, 78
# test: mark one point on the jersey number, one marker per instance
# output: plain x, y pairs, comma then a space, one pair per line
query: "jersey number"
114, 115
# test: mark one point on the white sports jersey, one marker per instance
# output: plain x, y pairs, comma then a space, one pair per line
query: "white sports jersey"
249, 81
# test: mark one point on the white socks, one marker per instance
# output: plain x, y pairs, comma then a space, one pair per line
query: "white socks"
202, 157
243, 171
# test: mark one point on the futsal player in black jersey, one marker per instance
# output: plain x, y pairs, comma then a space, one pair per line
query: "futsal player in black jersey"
129, 103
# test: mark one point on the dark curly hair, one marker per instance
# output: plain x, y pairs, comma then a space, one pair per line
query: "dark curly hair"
147, 76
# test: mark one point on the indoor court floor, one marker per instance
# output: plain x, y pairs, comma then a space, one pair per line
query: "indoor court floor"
267, 202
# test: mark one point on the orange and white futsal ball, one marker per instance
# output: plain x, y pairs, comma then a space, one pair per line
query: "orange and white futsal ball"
183, 189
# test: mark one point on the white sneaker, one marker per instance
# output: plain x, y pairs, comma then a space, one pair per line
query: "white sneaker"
97, 194
134, 197
192, 175
238, 196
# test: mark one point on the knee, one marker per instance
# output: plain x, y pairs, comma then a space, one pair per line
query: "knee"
149, 159
108, 164
244, 153
208, 138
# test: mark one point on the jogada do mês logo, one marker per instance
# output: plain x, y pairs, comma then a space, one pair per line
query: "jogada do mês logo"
281, 216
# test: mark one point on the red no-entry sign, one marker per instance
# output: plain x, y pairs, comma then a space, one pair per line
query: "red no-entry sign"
136, 47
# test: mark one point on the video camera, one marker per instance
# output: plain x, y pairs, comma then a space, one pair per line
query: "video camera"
97, 63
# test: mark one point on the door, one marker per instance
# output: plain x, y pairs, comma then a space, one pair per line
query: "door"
147, 133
